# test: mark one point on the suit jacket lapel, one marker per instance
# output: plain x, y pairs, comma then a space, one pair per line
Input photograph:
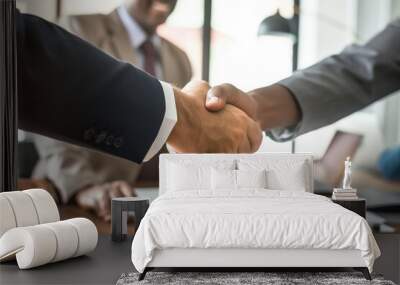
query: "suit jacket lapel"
168, 66
119, 39
172, 65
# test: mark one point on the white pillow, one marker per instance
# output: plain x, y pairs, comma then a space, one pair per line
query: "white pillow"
282, 174
223, 179
295, 180
227, 179
251, 178
193, 175
188, 177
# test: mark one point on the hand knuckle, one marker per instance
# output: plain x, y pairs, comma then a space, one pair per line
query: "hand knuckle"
227, 86
204, 84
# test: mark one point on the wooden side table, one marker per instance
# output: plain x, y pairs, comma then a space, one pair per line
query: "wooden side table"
120, 208
357, 206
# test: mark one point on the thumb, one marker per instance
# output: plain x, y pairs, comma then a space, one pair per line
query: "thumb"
219, 96
216, 99
214, 103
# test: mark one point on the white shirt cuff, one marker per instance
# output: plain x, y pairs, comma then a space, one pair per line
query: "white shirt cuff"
168, 122
284, 134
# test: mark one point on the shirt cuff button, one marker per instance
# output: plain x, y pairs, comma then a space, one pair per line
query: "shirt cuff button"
101, 137
109, 140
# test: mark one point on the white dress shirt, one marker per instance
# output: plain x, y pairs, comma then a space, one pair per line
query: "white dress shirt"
137, 37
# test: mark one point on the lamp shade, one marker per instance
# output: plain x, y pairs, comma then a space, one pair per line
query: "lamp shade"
275, 25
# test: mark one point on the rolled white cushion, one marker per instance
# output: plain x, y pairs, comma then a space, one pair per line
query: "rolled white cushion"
41, 244
33, 246
45, 205
23, 208
7, 218
87, 235
67, 240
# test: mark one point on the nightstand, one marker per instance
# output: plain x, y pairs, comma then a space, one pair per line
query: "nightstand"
357, 206
120, 208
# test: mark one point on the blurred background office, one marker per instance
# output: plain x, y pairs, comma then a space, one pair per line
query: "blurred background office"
235, 43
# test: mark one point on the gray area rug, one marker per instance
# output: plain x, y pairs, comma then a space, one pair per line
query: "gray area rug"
269, 278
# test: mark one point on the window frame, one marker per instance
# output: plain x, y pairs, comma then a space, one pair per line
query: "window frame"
8, 96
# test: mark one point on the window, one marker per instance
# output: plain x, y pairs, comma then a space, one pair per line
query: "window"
184, 28
240, 57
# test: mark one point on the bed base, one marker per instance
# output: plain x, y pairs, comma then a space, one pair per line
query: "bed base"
143, 274
242, 259
363, 270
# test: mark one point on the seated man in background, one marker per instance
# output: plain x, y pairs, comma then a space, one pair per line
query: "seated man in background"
128, 34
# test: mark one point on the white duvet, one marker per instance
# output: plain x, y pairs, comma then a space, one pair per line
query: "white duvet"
250, 219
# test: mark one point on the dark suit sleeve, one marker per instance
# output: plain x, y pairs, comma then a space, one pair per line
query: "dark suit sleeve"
70, 90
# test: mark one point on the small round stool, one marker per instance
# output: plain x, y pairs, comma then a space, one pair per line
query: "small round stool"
120, 208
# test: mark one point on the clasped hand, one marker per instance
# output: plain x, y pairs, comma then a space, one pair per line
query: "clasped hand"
226, 130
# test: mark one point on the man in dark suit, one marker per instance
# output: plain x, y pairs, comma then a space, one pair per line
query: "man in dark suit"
69, 90
128, 33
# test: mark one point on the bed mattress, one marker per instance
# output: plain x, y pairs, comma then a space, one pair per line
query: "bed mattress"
250, 219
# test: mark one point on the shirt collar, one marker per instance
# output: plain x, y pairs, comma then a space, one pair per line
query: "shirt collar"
137, 35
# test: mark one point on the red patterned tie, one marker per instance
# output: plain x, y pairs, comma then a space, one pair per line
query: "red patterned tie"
149, 55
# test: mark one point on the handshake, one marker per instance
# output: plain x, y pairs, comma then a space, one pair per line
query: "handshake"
224, 119
206, 125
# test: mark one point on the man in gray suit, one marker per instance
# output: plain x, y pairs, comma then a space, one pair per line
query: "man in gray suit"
323, 93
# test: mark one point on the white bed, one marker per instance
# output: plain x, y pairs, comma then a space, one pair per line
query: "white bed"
201, 220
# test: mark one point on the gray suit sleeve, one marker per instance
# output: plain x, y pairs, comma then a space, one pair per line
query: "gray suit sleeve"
344, 83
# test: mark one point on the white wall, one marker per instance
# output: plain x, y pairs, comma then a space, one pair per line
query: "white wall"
326, 27
372, 16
